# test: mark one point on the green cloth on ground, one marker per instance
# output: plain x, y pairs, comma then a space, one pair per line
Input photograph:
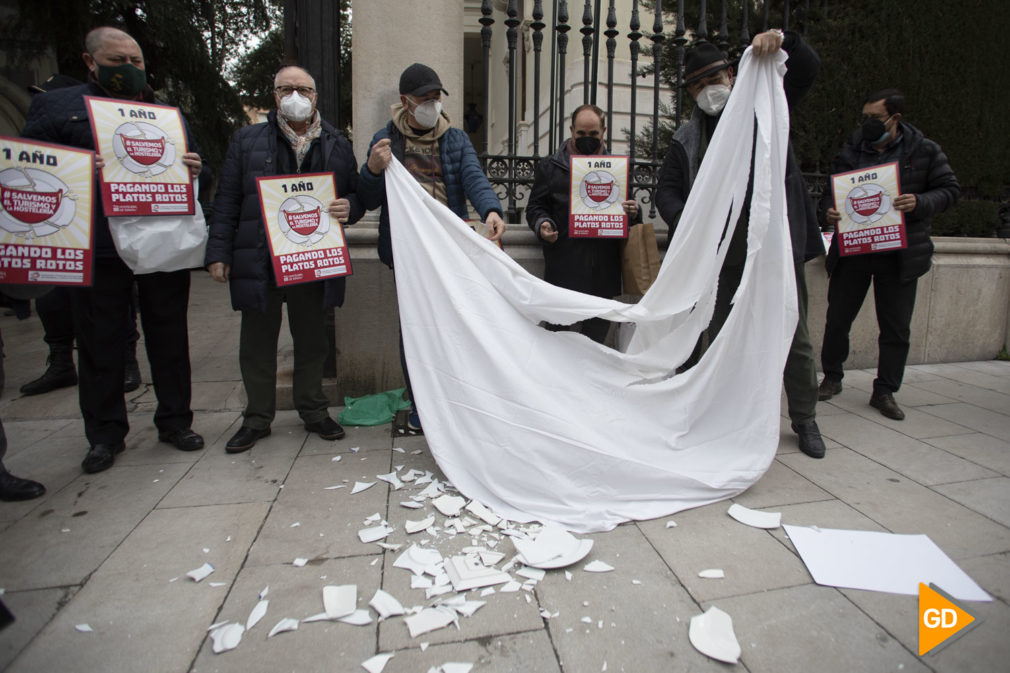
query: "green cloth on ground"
373, 409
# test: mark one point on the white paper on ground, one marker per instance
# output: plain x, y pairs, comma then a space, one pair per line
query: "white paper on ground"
376, 663
875, 561
711, 633
606, 416
340, 601
754, 517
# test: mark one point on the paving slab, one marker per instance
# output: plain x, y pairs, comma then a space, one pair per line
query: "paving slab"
985, 450
55, 462
975, 418
781, 485
985, 496
919, 422
962, 392
530, 652
136, 612
33, 610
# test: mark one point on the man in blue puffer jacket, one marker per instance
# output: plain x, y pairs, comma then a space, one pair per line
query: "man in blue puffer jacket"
439, 157
294, 139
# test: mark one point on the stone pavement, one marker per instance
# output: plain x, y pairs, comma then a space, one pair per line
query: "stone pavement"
112, 550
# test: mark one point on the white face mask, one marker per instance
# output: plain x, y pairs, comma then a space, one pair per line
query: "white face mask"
427, 113
712, 98
295, 107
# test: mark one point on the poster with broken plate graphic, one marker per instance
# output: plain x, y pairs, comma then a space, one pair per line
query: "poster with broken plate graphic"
599, 186
865, 200
45, 213
306, 244
142, 146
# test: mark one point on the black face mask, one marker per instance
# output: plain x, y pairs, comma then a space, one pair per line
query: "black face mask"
587, 144
874, 131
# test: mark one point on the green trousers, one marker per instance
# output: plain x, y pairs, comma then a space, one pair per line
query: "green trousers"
800, 376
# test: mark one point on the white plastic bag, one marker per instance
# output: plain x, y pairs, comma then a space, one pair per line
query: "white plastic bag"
161, 243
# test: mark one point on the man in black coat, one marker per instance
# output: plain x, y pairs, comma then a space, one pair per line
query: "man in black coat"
928, 187
116, 70
587, 265
294, 139
708, 79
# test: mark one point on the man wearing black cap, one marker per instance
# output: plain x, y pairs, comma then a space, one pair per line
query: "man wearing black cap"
439, 157
708, 79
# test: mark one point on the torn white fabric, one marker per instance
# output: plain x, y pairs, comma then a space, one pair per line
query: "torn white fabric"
551, 426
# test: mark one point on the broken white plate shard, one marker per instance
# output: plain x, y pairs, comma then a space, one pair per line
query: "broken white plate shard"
568, 576
263, 594
469, 607
385, 604
299, 562
511, 587
449, 505
375, 533
392, 479
417, 526
486, 592
296, 524
319, 617
483, 513
455, 667
375, 518
410, 504
712, 574
355, 449
416, 559
420, 582
84, 628
389, 546
257, 614
597, 567
340, 601
376, 663
424, 646
360, 486
410, 475
357, 618
226, 637
206, 550
711, 633
218, 584
466, 572
755, 518
335, 459
586, 620
429, 619
399, 449
671, 524
425, 478
438, 590
201, 572
535, 574
417, 452
490, 558
553, 547
456, 525
286, 624
333, 488
216, 625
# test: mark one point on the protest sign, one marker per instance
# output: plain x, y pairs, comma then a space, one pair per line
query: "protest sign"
598, 189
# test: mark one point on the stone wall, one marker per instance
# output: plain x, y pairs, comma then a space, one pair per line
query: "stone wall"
962, 312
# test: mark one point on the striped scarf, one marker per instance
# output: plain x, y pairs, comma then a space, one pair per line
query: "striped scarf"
300, 143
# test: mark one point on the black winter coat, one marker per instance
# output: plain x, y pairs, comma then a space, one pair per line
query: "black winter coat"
923, 170
587, 265
237, 233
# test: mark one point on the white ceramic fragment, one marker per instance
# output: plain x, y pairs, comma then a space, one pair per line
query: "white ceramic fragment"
299, 562
226, 637
469, 607
286, 624
318, 617
417, 526
553, 547
385, 604
389, 546
340, 600
671, 524
483, 513
597, 567
360, 486
466, 572
257, 614
375, 533
392, 479
455, 667
355, 449
357, 618
535, 574
429, 619
711, 633
399, 449
437, 590
333, 488
712, 574
755, 518
376, 663
510, 588
375, 518
335, 459
449, 505
490, 558
425, 478
420, 582
201, 572
416, 559
84, 628
410, 504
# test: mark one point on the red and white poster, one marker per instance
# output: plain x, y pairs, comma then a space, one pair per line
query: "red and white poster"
142, 146
865, 200
45, 213
305, 242
598, 190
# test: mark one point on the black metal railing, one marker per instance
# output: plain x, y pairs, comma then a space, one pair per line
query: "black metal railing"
511, 173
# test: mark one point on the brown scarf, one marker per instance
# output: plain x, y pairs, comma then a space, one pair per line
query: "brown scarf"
300, 143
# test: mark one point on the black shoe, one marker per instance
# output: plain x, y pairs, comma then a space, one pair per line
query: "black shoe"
828, 389
811, 442
60, 374
101, 456
15, 488
327, 428
245, 439
184, 440
884, 401
131, 378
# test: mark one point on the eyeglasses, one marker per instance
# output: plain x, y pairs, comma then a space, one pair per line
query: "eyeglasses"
284, 91
865, 118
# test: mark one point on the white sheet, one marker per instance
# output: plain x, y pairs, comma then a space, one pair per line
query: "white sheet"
551, 426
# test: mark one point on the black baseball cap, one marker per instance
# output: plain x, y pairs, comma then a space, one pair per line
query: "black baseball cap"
419, 79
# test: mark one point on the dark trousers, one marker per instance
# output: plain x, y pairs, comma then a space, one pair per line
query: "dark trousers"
258, 354
101, 326
57, 318
894, 300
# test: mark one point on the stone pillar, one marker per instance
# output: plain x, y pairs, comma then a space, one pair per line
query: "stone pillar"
388, 36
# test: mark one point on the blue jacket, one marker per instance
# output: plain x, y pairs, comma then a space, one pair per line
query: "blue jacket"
61, 117
464, 178
237, 233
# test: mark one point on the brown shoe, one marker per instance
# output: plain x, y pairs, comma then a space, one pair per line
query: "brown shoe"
884, 402
828, 389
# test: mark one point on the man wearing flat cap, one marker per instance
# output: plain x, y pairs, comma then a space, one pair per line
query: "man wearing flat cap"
438, 156
708, 79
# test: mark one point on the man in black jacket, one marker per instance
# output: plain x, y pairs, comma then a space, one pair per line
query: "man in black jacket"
588, 265
116, 70
928, 187
708, 79
294, 139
